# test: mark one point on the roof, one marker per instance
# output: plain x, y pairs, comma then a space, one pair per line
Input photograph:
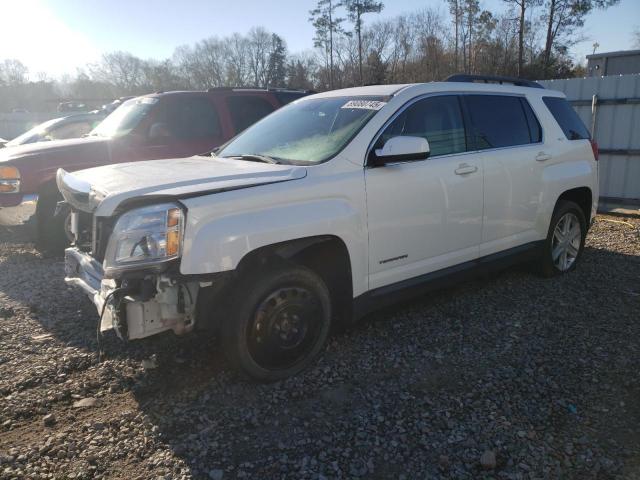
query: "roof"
619, 53
432, 87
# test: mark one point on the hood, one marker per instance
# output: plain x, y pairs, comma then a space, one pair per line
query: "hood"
57, 147
102, 189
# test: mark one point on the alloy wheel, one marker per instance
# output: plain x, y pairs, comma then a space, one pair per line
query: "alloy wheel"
565, 244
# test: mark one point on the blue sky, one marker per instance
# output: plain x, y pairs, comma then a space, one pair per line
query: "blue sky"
83, 29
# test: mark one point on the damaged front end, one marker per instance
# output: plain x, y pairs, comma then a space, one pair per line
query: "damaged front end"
134, 307
128, 264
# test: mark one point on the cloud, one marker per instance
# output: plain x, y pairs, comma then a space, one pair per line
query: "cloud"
33, 34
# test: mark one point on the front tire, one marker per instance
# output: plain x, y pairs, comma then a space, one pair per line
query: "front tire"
279, 323
51, 231
565, 240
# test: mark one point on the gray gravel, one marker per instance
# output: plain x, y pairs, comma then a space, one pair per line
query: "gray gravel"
508, 377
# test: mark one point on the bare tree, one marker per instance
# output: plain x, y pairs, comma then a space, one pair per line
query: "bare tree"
258, 47
563, 17
456, 11
13, 72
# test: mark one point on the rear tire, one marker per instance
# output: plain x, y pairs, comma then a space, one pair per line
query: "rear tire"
565, 240
51, 235
278, 324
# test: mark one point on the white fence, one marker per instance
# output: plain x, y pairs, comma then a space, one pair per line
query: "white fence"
615, 124
13, 124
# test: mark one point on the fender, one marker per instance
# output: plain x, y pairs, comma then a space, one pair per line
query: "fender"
216, 240
562, 176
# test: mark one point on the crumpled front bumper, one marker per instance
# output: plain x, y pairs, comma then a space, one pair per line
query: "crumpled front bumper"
133, 315
19, 214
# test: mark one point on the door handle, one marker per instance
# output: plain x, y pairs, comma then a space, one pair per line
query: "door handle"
464, 169
542, 157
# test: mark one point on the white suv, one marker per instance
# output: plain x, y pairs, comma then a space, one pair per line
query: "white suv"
330, 207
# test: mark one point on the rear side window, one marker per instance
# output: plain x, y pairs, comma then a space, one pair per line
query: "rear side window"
438, 119
246, 110
500, 121
567, 118
190, 118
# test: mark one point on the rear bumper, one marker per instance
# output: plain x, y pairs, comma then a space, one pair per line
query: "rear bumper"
19, 214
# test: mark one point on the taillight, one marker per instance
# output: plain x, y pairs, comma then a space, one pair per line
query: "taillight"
594, 147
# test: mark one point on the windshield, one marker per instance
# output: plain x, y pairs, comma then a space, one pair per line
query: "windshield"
309, 131
36, 134
125, 118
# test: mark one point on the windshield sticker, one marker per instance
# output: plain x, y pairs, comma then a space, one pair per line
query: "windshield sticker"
364, 104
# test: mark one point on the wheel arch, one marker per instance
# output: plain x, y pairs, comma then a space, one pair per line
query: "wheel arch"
326, 255
582, 196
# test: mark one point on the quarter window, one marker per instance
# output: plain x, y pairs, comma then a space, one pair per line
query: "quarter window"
500, 121
438, 119
567, 118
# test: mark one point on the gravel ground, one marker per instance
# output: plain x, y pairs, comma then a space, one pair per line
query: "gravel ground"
511, 376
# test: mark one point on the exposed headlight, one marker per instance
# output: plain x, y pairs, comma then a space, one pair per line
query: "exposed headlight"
143, 236
9, 180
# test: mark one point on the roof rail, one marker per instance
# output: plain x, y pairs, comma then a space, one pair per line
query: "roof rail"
270, 89
520, 82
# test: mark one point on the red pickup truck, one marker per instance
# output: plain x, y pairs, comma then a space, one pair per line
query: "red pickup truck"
160, 125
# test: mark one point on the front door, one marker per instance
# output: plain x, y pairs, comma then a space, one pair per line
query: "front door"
424, 215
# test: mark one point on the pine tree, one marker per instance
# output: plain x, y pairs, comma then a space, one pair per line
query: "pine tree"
326, 23
357, 8
277, 59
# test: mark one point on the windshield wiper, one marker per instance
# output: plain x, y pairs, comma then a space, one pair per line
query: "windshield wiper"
252, 157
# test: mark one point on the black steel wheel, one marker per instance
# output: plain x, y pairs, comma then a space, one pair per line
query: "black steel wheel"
279, 323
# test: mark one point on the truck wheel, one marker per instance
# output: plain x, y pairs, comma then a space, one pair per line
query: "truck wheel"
565, 240
51, 232
279, 323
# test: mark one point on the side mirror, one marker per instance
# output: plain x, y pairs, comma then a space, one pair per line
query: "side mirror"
401, 149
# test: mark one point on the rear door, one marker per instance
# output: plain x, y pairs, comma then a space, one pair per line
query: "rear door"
424, 215
507, 133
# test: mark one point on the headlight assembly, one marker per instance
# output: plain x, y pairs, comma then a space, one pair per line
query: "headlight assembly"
145, 236
9, 180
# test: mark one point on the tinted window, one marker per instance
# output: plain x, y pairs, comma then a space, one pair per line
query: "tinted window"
190, 118
499, 121
438, 119
247, 110
567, 118
285, 97
535, 131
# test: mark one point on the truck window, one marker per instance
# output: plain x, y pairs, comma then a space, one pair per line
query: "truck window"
438, 119
498, 121
246, 110
567, 118
190, 118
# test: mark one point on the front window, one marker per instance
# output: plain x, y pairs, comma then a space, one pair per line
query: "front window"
125, 118
310, 131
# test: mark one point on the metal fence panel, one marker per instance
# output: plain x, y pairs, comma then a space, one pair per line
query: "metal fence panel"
617, 127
